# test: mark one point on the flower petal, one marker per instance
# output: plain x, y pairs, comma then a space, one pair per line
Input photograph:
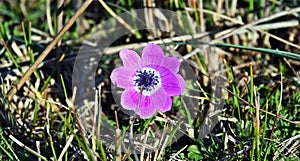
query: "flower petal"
152, 54
121, 77
171, 63
161, 69
173, 84
161, 100
167, 106
181, 82
146, 108
130, 59
129, 99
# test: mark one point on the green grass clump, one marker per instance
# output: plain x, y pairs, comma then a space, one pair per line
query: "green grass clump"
252, 59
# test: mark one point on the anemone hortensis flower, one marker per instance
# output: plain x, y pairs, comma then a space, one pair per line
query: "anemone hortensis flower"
149, 81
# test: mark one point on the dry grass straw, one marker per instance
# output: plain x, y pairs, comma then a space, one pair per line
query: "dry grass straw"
43, 55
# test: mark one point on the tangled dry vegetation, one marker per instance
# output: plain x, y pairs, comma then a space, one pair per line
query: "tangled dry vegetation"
255, 45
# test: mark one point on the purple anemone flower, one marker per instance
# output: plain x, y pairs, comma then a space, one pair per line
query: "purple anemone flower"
149, 81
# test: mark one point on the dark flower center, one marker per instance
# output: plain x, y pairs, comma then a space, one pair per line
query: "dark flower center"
148, 80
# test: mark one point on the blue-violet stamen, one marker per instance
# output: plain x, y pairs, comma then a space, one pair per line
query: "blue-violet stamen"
147, 78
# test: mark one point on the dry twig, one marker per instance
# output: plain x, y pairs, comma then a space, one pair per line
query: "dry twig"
43, 55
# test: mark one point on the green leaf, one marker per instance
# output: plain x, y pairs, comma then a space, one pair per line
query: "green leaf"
194, 153
278, 53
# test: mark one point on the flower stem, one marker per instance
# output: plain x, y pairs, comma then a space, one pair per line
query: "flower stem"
131, 122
